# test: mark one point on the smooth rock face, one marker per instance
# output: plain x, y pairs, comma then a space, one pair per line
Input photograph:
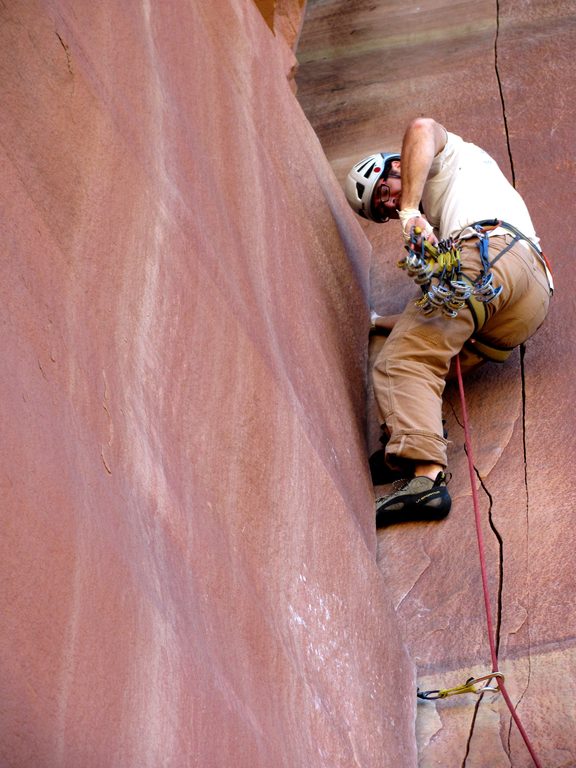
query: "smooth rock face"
188, 558
505, 82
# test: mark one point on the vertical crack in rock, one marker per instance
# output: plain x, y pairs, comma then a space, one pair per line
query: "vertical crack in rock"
523, 384
492, 524
501, 92
472, 724
500, 541
498, 623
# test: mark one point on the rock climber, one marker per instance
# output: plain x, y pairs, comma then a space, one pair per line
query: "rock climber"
449, 196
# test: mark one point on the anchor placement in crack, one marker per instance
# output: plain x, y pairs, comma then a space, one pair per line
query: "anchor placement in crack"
467, 687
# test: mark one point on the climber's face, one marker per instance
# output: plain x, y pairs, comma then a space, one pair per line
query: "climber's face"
387, 192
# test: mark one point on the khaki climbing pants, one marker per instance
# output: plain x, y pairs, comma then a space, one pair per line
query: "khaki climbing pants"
413, 365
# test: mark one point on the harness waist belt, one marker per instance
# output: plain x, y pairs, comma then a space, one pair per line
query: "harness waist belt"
489, 351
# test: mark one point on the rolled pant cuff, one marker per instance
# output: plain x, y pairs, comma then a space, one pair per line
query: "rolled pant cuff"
416, 446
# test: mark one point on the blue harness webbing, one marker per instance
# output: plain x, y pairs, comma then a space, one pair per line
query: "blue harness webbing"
478, 307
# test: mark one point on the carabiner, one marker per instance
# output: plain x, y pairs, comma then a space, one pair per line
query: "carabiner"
475, 680
428, 695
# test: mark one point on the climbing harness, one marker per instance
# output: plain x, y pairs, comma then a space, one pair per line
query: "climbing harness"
489, 225
437, 270
488, 610
467, 687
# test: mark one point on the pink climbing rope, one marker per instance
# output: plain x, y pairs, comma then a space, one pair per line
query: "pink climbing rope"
480, 538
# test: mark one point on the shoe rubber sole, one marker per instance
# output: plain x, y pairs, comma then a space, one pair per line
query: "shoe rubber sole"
434, 504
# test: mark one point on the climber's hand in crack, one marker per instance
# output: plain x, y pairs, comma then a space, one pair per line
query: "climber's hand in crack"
382, 323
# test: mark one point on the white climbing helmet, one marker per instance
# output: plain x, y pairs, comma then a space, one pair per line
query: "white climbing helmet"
363, 178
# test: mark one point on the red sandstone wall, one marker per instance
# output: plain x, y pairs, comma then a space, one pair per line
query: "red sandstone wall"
501, 75
188, 558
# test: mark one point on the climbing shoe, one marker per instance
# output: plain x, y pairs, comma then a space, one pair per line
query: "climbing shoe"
418, 499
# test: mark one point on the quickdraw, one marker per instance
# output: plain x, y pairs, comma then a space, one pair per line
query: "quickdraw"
437, 270
467, 687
